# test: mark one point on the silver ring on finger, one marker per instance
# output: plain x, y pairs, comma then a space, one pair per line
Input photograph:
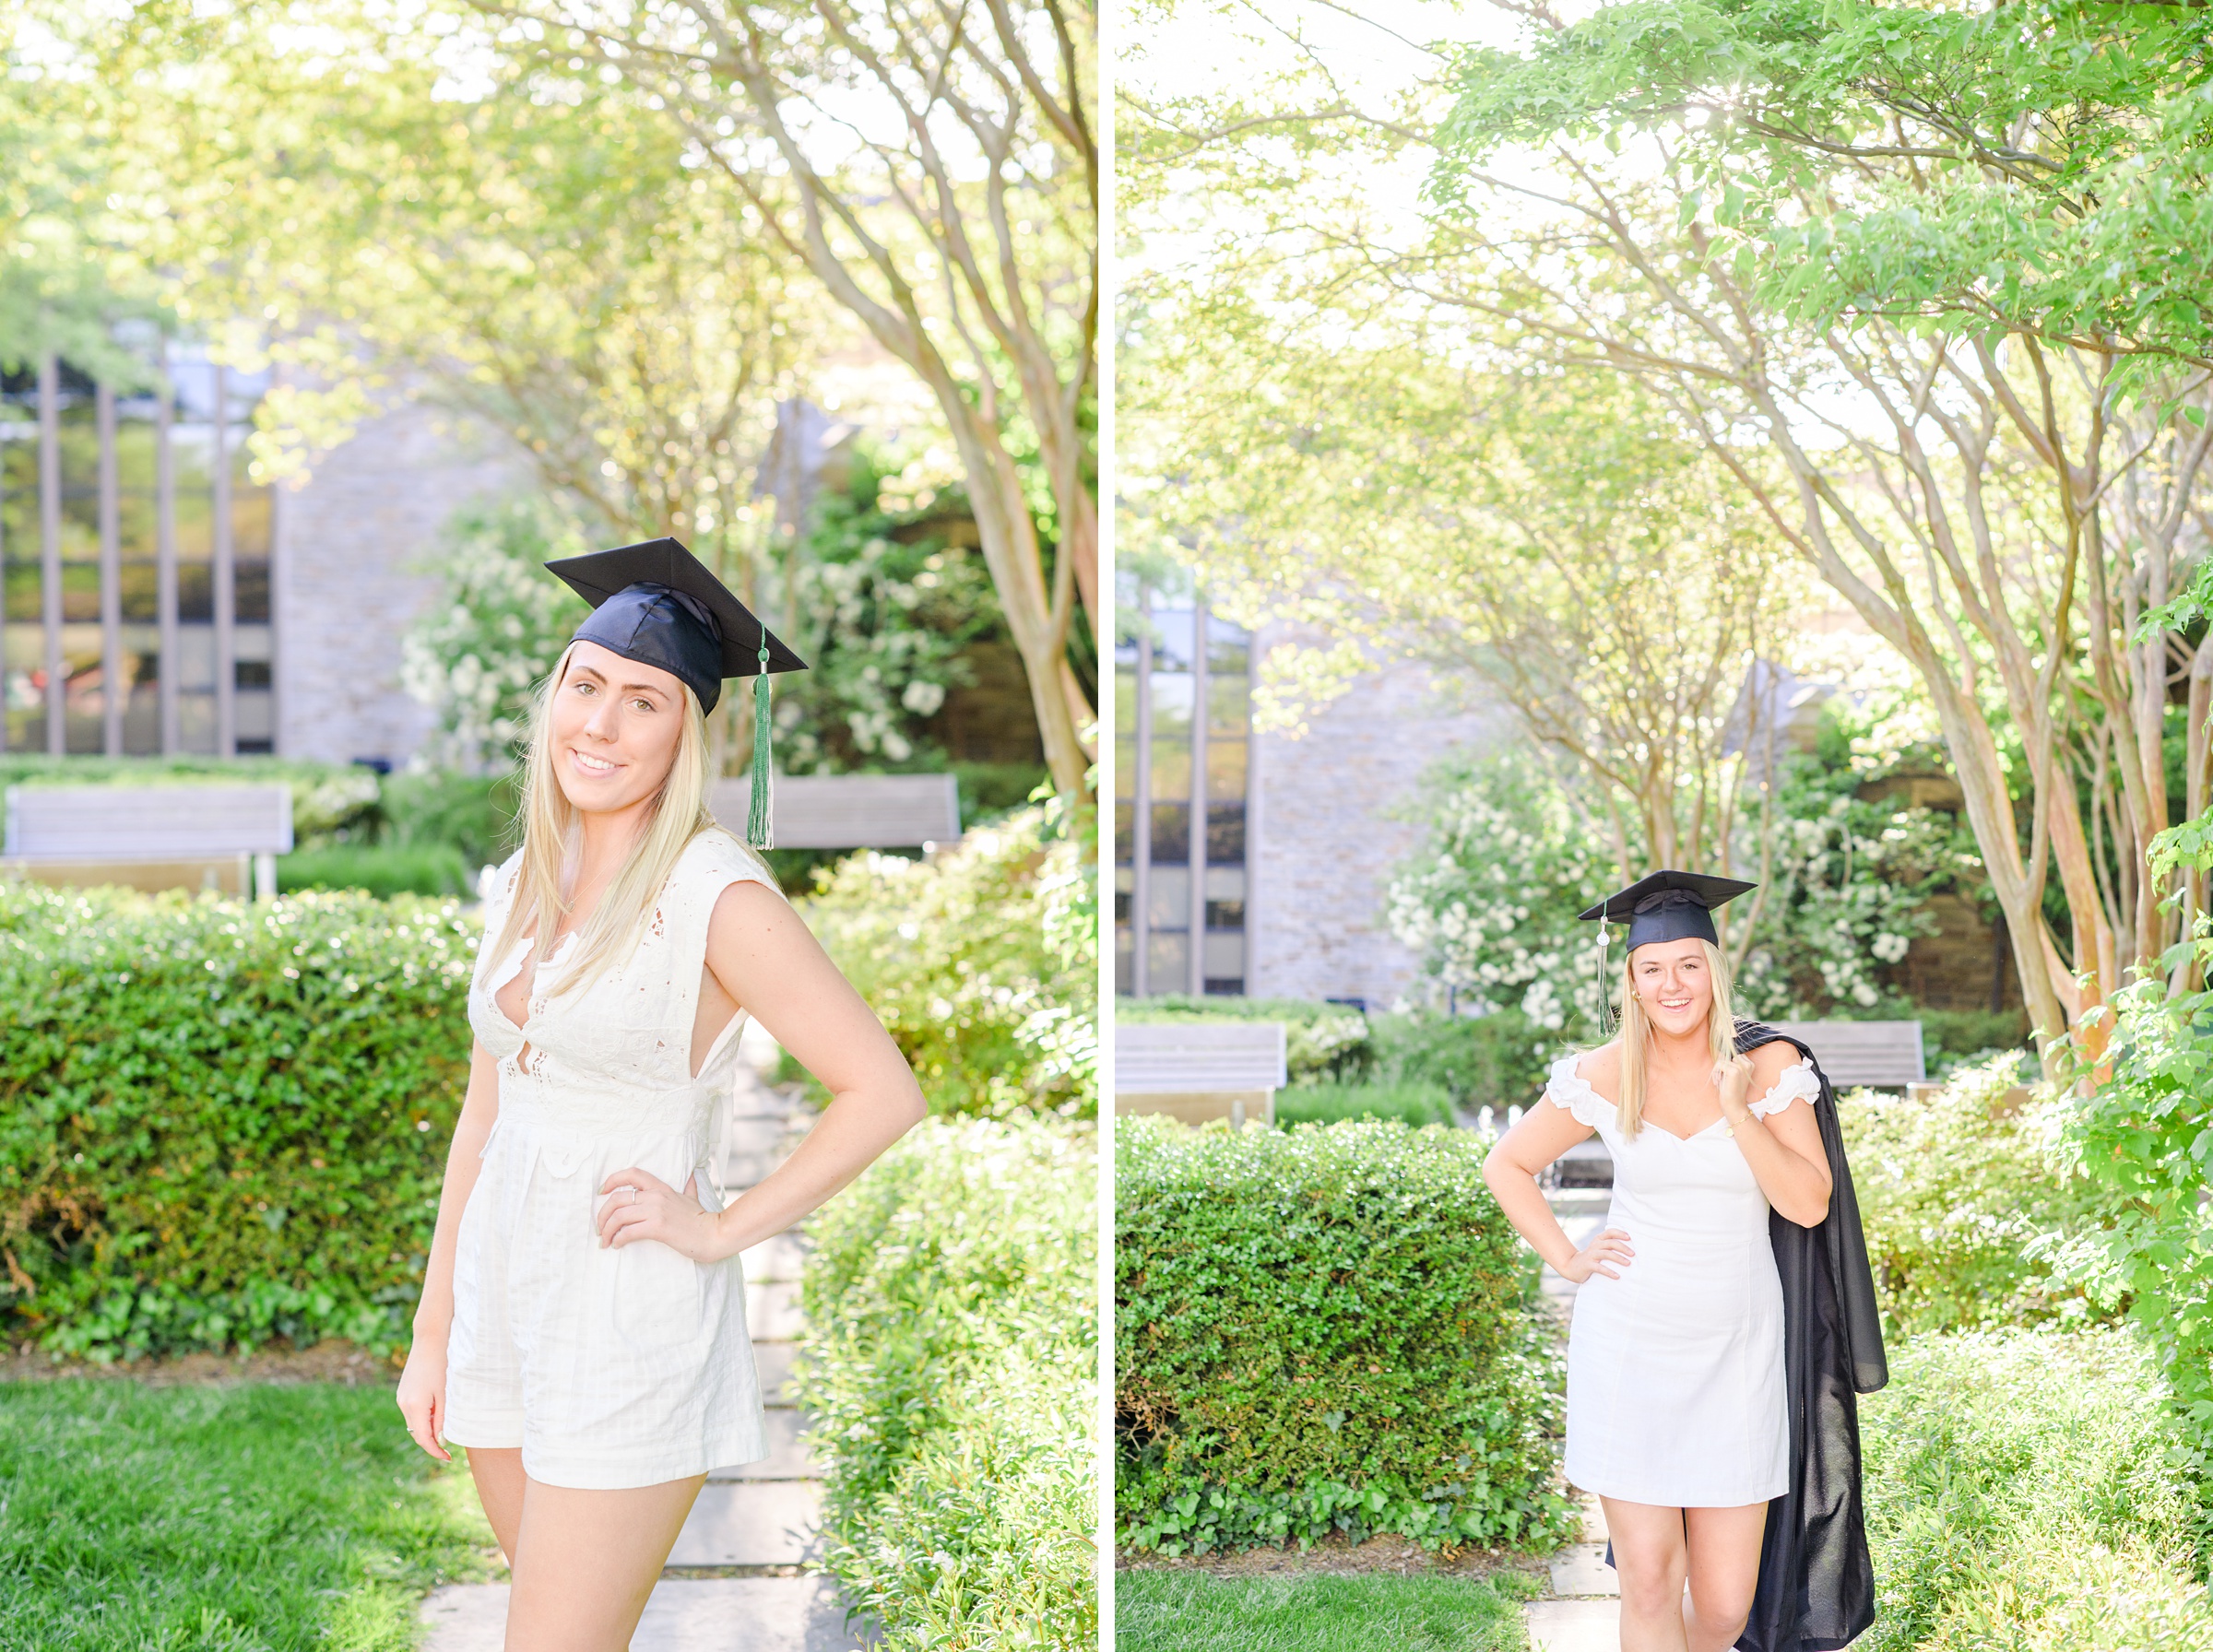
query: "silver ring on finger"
634, 1196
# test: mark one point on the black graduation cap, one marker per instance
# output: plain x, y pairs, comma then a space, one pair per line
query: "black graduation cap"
1670, 906
658, 604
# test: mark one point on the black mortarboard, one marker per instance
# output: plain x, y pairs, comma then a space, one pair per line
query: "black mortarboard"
1670, 906
658, 604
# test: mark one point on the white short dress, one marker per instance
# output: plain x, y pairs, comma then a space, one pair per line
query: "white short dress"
612, 1367
1674, 1369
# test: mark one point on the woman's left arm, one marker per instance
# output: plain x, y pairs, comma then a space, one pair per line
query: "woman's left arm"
1785, 1148
773, 967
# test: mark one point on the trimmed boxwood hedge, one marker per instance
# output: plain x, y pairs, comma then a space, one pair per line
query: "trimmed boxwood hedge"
222, 1123
1330, 1328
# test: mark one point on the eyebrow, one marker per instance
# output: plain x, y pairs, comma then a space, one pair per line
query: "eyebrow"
593, 671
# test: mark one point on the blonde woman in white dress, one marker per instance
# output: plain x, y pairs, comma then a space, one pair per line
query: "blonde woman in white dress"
1677, 1418
582, 1327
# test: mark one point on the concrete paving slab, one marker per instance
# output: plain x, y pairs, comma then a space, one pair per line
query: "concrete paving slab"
772, 1311
744, 1168
685, 1615
781, 1256
772, 1362
751, 1523
1594, 1521
1581, 1569
788, 1459
1574, 1626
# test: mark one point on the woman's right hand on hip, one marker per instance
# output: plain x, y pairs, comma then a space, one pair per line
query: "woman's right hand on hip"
423, 1395
1607, 1254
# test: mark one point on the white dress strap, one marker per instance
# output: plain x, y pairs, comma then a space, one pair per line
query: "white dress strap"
1571, 1092
1799, 1082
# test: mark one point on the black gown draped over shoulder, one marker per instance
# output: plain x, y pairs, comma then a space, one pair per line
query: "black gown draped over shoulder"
1817, 1584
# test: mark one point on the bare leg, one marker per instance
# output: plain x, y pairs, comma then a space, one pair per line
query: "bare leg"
586, 1561
1723, 1549
1651, 1555
498, 1471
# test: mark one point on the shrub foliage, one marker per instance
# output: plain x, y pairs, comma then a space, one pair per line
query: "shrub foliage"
981, 963
220, 1122
1958, 1198
949, 1365
1325, 1329
2024, 1490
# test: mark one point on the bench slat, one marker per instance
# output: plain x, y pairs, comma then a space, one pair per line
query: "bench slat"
1194, 1057
849, 811
1878, 1053
121, 823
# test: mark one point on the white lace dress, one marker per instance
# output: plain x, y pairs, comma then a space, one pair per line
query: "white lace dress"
1674, 1369
610, 1367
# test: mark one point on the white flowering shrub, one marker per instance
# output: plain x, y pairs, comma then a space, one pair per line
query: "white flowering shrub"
885, 608
474, 657
1489, 901
1511, 856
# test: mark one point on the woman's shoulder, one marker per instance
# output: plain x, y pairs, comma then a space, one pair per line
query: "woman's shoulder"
717, 857
1598, 1067
1575, 1080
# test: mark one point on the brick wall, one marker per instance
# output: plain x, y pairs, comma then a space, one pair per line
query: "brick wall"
1325, 838
355, 552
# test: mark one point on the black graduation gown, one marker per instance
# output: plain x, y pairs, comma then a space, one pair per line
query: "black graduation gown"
1817, 1584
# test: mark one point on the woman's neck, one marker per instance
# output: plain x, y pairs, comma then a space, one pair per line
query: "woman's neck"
604, 841
1682, 1051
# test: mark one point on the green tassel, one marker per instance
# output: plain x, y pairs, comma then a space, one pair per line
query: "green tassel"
759, 828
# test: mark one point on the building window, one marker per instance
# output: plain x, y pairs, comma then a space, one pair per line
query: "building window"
136, 558
1183, 700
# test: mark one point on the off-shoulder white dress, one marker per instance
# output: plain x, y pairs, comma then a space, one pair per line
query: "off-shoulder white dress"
1674, 1369
610, 1367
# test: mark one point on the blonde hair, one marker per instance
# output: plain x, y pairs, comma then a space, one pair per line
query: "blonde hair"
552, 834
1636, 1030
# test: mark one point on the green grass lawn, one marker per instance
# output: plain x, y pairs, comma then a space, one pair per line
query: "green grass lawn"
1163, 1610
253, 1518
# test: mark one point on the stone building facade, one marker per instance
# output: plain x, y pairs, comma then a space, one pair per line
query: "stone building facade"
355, 555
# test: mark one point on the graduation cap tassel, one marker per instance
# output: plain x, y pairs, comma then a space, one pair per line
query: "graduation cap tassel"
760, 828
1603, 1030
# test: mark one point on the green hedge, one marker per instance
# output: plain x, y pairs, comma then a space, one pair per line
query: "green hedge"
982, 961
2023, 1492
1413, 1103
1331, 1328
222, 1123
1959, 1199
432, 869
949, 1364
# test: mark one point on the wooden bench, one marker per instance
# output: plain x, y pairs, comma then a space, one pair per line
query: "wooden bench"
849, 811
152, 837
1200, 1070
1885, 1055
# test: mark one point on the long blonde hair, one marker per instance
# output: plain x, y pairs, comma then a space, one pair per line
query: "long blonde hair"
552, 834
1636, 1030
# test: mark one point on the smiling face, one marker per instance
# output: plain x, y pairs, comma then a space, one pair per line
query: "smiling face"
613, 729
1673, 983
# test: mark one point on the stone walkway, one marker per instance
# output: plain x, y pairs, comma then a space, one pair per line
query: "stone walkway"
1583, 1613
753, 1529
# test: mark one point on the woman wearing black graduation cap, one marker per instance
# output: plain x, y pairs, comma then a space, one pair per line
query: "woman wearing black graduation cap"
581, 1329
1725, 1319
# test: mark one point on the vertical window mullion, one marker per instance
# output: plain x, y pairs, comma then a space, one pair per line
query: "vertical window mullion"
165, 554
111, 578
226, 591
1196, 919
50, 545
1141, 811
